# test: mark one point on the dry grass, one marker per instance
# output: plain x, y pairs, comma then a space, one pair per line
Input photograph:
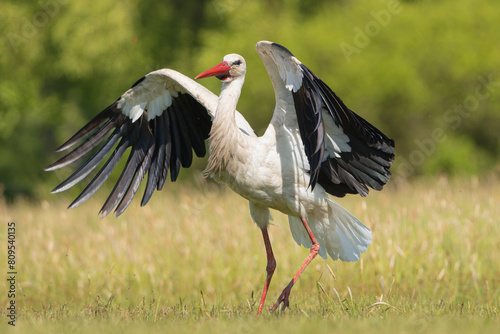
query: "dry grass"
193, 260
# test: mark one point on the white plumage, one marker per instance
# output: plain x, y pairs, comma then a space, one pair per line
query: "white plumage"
313, 146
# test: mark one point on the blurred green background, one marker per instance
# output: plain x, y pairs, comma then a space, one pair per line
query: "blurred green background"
427, 73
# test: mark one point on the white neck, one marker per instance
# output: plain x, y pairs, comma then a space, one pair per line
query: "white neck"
225, 134
228, 99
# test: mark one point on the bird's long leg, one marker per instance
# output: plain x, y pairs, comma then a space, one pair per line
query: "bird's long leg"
271, 266
283, 298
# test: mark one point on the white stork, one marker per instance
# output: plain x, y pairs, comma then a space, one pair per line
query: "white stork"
314, 146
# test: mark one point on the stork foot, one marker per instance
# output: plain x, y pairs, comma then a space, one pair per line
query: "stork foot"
283, 298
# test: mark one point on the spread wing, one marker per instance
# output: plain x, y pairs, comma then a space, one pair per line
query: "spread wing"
342, 151
163, 118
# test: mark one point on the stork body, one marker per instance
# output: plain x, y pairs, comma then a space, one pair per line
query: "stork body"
313, 146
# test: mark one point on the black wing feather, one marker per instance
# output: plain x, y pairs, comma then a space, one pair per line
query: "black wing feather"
196, 124
124, 179
154, 173
309, 117
163, 143
175, 149
92, 163
168, 151
144, 152
372, 152
108, 167
184, 141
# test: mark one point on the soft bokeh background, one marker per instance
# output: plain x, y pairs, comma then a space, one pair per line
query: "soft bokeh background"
427, 73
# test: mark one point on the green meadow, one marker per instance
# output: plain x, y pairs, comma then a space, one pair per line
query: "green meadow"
192, 259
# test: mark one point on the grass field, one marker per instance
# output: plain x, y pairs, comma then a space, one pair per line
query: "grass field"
192, 260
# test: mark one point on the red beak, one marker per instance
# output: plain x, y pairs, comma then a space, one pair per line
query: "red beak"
221, 69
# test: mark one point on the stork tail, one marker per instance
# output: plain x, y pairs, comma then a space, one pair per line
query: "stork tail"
340, 235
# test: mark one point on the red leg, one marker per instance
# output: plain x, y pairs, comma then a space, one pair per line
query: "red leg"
271, 266
283, 298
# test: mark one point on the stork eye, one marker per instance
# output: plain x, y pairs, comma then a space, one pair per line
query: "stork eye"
237, 62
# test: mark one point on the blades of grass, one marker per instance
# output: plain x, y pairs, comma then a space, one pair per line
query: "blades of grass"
157, 309
389, 306
331, 272
320, 287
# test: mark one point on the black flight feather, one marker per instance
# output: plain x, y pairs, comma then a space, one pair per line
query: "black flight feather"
163, 143
372, 152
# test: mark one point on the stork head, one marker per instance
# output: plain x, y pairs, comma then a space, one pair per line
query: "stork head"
232, 67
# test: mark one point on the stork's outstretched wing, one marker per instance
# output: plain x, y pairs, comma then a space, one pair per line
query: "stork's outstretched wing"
164, 117
343, 152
